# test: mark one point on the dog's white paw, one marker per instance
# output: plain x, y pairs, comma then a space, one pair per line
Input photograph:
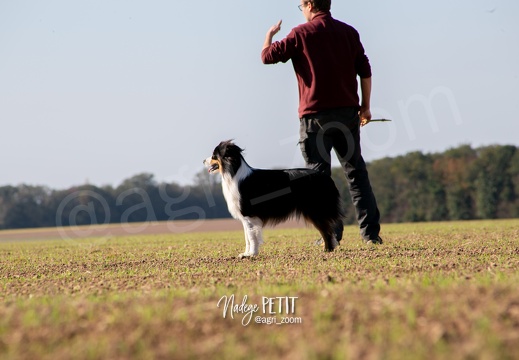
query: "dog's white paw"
245, 255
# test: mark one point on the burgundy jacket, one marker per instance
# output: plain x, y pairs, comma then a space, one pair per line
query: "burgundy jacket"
327, 56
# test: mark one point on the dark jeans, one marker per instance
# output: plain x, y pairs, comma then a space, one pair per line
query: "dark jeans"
340, 129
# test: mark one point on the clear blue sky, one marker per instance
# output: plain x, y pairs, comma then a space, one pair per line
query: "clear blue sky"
103, 90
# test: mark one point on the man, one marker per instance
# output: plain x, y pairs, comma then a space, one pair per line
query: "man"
327, 56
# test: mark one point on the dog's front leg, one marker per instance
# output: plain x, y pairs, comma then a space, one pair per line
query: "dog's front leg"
253, 228
246, 231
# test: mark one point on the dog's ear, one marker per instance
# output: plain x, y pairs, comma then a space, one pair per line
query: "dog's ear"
226, 143
221, 149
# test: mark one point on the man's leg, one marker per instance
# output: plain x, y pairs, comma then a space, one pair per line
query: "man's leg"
347, 147
368, 215
316, 147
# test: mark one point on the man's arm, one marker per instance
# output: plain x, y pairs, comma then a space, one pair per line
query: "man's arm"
365, 111
270, 34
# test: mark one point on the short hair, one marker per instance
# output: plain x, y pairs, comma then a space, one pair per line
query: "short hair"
321, 5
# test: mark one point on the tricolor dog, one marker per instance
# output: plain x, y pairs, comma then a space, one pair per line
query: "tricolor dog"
260, 197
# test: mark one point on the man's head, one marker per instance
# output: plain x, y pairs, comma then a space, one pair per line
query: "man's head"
310, 7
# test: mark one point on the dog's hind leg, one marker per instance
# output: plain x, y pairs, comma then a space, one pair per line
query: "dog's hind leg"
330, 242
253, 228
328, 234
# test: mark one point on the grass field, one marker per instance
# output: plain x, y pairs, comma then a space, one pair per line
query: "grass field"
432, 291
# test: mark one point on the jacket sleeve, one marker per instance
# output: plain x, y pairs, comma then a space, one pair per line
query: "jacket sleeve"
362, 65
280, 51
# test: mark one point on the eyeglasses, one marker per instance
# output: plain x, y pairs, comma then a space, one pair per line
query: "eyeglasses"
301, 6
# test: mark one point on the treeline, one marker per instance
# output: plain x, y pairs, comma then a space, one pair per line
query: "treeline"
459, 184
139, 198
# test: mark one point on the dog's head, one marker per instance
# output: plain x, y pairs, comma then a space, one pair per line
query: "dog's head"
226, 158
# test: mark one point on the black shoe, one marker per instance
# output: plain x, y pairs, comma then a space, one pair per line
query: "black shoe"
377, 241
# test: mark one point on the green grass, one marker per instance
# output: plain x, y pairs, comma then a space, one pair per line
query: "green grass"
433, 290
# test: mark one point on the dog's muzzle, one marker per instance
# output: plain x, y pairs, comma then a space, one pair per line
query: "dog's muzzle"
213, 168
211, 165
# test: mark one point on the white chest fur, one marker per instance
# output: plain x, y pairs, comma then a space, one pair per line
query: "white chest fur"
231, 191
